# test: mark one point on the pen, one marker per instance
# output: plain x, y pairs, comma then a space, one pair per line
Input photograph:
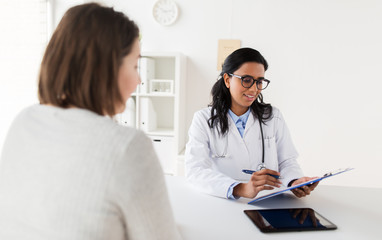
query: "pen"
251, 171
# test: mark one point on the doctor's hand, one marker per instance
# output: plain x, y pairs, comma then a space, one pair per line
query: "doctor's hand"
304, 190
259, 181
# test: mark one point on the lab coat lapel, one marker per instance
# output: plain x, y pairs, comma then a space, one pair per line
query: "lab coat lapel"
238, 145
232, 127
250, 122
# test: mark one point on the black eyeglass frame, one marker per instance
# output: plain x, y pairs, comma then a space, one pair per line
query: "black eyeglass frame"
257, 81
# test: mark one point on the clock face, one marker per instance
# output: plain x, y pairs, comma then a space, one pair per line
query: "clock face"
165, 12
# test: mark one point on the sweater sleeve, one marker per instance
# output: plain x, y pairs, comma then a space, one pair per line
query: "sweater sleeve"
139, 190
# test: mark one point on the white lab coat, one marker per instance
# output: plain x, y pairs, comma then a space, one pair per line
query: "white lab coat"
213, 174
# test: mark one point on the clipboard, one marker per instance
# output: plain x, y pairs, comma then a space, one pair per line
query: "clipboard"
280, 191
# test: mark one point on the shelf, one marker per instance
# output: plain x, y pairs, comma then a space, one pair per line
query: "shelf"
158, 94
161, 132
157, 105
155, 94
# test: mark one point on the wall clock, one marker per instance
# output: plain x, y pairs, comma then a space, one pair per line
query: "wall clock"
165, 12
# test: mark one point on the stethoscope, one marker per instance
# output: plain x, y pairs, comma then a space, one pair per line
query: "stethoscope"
224, 154
262, 164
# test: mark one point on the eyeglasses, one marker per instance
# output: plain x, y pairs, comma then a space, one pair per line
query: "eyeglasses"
248, 81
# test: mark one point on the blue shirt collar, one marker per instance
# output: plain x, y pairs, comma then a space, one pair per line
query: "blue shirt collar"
243, 117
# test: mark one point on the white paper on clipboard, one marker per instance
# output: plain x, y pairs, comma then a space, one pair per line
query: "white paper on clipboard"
268, 194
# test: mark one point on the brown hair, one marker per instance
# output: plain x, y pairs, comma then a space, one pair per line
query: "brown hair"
81, 62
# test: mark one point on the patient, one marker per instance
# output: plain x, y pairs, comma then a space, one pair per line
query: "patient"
68, 170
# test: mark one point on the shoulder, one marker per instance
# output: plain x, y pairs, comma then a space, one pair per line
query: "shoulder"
28, 111
137, 161
28, 117
130, 148
125, 138
204, 113
277, 117
98, 131
200, 121
201, 117
276, 113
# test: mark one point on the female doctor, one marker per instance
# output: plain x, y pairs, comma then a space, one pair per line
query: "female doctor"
239, 131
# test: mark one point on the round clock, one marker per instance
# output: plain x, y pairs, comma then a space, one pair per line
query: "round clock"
165, 12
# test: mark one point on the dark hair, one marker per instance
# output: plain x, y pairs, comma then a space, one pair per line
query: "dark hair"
81, 62
221, 96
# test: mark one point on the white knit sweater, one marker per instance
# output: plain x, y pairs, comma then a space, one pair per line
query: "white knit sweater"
72, 174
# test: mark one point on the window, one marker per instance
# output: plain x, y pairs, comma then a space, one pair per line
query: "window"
24, 34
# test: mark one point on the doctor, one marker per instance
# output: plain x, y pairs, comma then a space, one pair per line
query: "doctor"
239, 131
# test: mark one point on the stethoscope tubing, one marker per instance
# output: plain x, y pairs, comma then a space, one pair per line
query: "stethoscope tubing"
262, 140
262, 144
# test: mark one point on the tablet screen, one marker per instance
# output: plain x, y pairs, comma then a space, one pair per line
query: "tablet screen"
293, 219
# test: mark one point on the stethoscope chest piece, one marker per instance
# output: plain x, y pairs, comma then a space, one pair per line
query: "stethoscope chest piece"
261, 167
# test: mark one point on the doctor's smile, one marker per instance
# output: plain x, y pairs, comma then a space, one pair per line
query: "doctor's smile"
250, 97
237, 131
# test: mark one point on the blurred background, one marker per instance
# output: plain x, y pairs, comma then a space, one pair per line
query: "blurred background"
325, 60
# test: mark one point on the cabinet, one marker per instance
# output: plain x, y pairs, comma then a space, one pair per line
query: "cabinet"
157, 107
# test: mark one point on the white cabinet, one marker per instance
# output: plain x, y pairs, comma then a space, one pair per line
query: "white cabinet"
158, 105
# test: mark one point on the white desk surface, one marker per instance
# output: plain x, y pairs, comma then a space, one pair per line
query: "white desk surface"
357, 212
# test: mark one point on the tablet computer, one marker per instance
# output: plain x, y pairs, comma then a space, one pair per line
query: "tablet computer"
290, 219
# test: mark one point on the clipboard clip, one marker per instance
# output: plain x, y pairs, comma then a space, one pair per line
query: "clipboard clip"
328, 174
337, 172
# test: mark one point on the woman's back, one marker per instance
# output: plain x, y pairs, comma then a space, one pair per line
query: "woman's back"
73, 174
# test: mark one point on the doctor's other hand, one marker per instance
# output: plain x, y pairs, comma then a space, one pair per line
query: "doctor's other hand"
259, 181
304, 190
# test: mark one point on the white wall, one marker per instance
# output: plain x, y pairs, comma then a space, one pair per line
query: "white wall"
325, 61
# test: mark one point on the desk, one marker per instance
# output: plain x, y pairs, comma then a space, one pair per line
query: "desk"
357, 212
